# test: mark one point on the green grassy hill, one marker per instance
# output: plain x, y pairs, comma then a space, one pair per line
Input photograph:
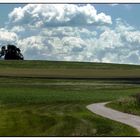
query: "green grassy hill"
63, 64
45, 98
57, 69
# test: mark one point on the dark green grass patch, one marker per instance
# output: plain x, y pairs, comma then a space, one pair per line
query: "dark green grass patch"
58, 120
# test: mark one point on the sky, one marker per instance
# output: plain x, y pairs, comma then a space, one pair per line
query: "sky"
107, 33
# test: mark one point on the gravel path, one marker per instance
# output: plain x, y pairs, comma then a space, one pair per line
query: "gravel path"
102, 110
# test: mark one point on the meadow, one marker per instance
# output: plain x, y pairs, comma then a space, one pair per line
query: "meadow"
46, 98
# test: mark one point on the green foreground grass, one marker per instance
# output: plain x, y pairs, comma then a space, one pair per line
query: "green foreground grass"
58, 111
35, 106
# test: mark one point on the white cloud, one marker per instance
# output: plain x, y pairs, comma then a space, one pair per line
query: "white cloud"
17, 29
120, 44
53, 15
46, 47
7, 37
68, 32
113, 4
32, 47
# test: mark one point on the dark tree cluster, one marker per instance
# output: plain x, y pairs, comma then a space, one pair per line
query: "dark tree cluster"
11, 52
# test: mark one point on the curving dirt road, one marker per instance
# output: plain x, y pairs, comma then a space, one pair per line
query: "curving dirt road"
102, 110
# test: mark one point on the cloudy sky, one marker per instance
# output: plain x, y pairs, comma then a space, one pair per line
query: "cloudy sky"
73, 32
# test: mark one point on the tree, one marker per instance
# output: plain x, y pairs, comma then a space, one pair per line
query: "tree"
11, 53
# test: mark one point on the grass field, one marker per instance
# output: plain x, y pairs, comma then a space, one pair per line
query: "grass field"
44, 98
